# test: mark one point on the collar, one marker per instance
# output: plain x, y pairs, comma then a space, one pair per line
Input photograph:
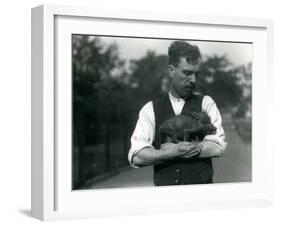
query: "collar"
175, 98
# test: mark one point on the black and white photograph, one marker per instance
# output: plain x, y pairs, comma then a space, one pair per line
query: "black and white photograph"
160, 112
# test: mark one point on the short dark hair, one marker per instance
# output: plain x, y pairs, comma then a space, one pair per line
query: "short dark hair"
183, 49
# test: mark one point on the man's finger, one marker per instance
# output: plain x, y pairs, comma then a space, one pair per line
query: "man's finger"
188, 144
190, 147
193, 152
190, 156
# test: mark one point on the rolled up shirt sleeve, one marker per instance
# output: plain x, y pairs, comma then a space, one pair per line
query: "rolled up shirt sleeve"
143, 134
210, 107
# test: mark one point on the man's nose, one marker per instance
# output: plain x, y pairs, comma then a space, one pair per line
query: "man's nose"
192, 78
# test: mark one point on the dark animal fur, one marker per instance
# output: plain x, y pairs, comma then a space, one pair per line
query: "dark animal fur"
192, 127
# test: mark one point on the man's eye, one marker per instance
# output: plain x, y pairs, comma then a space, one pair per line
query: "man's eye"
188, 73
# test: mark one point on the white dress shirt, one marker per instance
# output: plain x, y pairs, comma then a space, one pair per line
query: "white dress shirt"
144, 132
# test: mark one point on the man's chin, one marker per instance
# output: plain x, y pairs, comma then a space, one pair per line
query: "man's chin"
188, 94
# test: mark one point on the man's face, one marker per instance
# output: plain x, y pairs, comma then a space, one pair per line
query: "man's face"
184, 77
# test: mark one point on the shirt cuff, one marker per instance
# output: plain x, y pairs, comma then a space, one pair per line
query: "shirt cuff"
220, 143
135, 150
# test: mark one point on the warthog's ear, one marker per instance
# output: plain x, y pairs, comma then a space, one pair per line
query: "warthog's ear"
204, 118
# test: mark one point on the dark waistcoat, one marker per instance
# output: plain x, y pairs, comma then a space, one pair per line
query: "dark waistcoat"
179, 171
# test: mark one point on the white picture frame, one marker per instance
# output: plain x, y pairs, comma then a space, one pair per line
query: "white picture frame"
52, 197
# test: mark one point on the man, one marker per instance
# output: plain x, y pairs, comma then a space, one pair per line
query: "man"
184, 162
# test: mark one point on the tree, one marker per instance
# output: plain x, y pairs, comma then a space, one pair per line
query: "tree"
218, 78
244, 109
93, 64
147, 74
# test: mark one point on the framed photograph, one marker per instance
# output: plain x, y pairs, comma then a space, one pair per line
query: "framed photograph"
100, 79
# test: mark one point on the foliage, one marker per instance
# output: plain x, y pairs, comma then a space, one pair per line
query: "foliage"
147, 74
219, 80
95, 95
93, 87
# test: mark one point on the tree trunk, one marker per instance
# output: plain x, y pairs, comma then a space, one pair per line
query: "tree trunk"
107, 147
125, 145
81, 151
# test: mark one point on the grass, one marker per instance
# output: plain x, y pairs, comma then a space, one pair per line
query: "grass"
244, 128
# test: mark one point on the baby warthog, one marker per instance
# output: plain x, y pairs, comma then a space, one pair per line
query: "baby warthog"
192, 127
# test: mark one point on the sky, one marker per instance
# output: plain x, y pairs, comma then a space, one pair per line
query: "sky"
135, 48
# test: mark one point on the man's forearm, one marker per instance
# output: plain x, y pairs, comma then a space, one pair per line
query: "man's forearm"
209, 150
149, 156
168, 151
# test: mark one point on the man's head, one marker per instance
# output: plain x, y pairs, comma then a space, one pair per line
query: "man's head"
184, 65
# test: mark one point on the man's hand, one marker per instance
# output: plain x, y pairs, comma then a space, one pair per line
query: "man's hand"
181, 149
195, 151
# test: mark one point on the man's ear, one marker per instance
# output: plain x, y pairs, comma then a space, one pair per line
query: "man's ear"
171, 70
